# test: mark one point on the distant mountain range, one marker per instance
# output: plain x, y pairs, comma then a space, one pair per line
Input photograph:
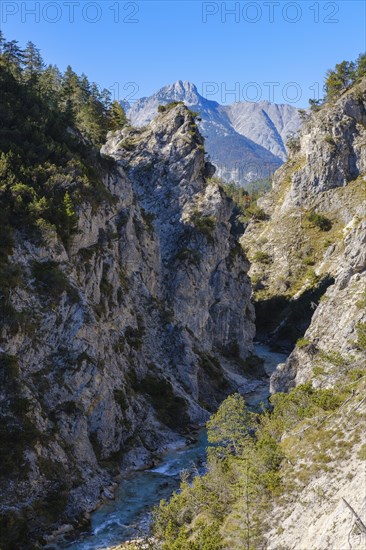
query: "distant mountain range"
245, 140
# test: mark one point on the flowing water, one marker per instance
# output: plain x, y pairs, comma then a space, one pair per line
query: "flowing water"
127, 516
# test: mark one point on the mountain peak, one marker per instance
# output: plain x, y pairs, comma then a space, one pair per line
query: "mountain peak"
181, 90
185, 85
238, 136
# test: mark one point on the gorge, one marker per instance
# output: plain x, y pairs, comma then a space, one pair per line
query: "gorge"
134, 286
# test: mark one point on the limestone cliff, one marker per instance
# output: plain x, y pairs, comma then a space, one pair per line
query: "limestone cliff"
127, 336
309, 273
309, 254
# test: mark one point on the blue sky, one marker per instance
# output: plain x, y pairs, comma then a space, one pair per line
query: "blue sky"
274, 50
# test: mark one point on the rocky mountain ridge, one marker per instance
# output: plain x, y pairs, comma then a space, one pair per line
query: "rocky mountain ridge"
139, 327
245, 140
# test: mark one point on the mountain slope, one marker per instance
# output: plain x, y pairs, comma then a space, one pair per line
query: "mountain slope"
246, 141
267, 124
325, 476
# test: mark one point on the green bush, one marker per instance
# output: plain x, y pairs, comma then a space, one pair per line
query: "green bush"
320, 221
361, 303
169, 106
303, 343
293, 144
262, 257
362, 452
309, 260
329, 139
189, 255
335, 358
361, 335
211, 366
171, 409
312, 277
9, 366
134, 336
255, 213
204, 223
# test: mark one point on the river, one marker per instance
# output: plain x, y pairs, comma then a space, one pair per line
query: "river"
127, 516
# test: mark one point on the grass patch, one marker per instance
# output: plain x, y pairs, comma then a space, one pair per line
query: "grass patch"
362, 452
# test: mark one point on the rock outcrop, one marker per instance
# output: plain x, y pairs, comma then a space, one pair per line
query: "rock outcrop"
315, 231
129, 335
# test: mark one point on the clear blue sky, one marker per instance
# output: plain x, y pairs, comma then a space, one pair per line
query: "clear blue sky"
153, 43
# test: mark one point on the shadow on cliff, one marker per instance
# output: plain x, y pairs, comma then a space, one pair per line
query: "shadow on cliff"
281, 320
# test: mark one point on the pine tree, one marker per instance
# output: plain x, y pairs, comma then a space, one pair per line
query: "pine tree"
50, 85
70, 214
340, 78
33, 63
12, 53
105, 98
85, 88
71, 89
361, 66
117, 116
229, 428
315, 104
70, 94
13, 57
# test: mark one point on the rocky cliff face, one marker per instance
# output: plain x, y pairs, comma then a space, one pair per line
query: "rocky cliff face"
137, 329
309, 272
315, 232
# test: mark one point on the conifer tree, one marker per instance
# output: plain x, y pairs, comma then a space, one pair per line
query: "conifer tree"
117, 116
340, 78
229, 428
50, 85
361, 66
33, 63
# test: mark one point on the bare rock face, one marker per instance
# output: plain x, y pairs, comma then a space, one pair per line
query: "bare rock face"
128, 326
333, 342
333, 147
315, 230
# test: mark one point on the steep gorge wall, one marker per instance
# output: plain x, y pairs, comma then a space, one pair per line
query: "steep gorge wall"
130, 335
294, 252
309, 274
